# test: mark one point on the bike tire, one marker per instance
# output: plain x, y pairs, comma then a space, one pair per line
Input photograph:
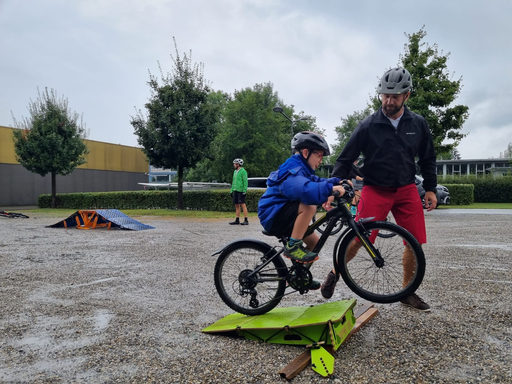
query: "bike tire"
380, 284
235, 262
387, 234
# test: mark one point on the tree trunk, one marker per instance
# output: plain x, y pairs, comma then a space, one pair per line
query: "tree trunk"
54, 189
180, 188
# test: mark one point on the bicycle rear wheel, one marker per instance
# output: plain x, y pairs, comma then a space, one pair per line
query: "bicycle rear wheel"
244, 291
390, 282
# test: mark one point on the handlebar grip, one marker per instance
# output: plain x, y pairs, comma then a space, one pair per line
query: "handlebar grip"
349, 191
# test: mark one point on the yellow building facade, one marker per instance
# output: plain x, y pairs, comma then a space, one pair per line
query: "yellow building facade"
108, 167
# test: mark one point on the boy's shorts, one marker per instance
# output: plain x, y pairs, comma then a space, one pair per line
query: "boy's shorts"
285, 219
238, 197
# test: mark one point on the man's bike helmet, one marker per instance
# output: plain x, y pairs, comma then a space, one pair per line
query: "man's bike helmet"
395, 81
238, 161
310, 140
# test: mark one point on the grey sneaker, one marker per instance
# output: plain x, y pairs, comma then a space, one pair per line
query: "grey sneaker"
416, 302
299, 253
236, 222
245, 222
329, 285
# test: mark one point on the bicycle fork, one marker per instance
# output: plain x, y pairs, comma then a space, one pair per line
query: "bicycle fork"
364, 238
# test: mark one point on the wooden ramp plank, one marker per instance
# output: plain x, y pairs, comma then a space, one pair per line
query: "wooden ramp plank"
362, 314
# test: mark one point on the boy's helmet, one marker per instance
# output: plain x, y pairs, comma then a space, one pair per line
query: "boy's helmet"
310, 140
395, 81
238, 161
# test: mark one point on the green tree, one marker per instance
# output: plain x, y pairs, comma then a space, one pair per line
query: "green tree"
181, 122
434, 91
51, 139
508, 152
343, 131
251, 130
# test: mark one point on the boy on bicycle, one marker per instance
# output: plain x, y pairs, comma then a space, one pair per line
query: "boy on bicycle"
293, 193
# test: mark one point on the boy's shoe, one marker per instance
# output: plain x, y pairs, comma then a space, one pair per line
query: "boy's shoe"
236, 222
315, 286
299, 253
246, 222
329, 285
416, 302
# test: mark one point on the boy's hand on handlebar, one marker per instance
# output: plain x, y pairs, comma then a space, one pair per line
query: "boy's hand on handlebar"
336, 190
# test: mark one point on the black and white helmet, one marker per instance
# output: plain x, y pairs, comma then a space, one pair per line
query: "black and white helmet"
395, 81
310, 140
238, 161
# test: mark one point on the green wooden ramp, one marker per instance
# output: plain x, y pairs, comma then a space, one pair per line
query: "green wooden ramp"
330, 323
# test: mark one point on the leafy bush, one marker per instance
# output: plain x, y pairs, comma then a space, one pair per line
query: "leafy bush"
461, 194
486, 189
208, 199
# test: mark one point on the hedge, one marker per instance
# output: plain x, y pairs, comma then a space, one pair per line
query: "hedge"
486, 189
208, 200
461, 194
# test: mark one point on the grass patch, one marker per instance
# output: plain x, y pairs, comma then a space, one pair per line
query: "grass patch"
479, 206
64, 213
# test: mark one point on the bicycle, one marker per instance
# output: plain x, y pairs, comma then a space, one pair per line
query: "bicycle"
251, 276
13, 215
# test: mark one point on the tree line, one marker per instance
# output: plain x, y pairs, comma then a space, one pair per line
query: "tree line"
198, 131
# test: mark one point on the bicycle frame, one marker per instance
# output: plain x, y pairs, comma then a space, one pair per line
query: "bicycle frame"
341, 211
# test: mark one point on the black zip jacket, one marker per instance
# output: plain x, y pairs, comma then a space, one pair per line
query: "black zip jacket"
389, 154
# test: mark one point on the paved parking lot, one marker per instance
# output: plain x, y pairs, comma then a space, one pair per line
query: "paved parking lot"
104, 306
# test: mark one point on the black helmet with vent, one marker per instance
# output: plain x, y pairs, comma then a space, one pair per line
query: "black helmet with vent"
310, 140
395, 81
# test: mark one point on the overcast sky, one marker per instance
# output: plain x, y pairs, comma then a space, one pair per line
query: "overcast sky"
323, 56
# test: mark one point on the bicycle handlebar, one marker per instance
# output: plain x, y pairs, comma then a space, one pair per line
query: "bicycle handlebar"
349, 192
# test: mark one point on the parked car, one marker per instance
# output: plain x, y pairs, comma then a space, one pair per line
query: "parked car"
442, 193
257, 183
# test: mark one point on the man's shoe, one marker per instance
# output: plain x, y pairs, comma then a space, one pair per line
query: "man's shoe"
246, 222
236, 222
416, 302
329, 285
299, 253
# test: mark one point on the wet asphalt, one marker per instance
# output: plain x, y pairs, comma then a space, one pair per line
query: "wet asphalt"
99, 306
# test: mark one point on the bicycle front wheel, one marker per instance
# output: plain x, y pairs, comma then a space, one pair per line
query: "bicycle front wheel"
398, 276
241, 287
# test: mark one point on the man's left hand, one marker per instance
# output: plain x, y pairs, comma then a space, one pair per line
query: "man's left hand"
430, 200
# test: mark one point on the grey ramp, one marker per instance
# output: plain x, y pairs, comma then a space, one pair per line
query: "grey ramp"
123, 221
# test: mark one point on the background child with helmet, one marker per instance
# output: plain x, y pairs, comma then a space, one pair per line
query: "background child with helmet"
238, 191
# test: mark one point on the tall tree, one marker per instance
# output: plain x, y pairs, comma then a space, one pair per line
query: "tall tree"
51, 139
251, 130
434, 91
181, 122
343, 131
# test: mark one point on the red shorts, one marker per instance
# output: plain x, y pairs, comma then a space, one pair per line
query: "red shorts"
403, 202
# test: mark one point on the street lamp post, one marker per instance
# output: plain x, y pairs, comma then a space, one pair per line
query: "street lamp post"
279, 109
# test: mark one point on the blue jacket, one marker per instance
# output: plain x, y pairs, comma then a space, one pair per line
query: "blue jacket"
294, 180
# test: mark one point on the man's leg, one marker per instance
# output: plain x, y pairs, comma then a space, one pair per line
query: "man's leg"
408, 213
237, 213
244, 209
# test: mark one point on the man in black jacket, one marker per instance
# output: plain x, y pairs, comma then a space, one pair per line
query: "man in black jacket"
390, 140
